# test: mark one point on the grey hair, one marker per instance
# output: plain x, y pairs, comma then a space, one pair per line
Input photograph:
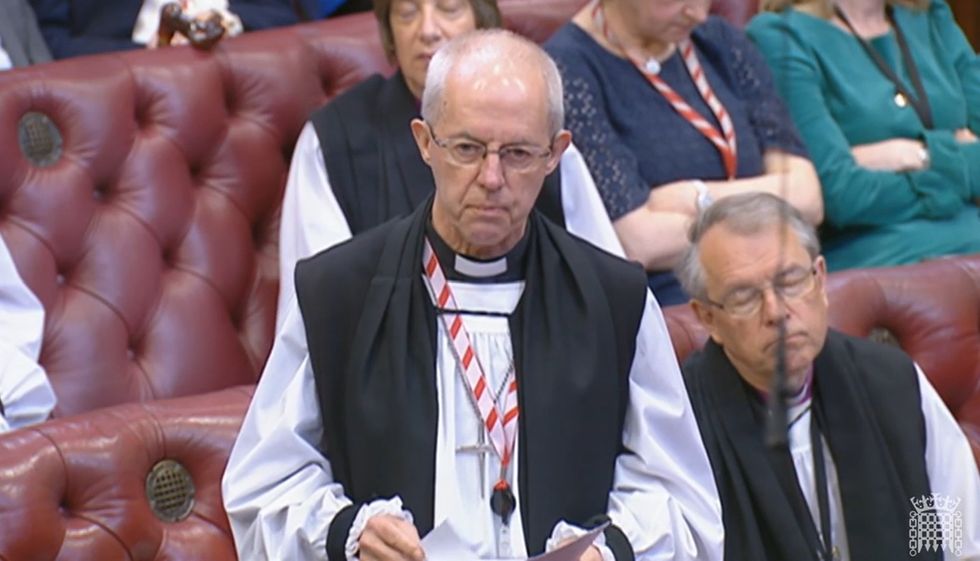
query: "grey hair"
485, 45
745, 214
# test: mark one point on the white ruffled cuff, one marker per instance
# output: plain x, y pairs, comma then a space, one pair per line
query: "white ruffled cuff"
390, 507
563, 530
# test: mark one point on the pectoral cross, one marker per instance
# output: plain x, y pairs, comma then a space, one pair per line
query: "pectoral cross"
483, 449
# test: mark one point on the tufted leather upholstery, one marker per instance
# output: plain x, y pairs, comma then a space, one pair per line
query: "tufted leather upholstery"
151, 242
74, 489
933, 312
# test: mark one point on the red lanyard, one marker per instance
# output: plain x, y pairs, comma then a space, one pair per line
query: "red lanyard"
499, 420
724, 140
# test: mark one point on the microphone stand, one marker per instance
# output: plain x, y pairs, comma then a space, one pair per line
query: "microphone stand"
776, 429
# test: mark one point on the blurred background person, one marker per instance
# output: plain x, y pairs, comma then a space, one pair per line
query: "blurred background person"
672, 109
886, 95
21, 42
83, 27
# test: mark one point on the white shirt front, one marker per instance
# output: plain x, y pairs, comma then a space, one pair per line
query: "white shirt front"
949, 463
466, 503
5, 62
280, 494
24, 388
313, 221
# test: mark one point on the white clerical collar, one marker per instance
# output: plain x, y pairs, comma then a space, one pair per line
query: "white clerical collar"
457, 267
480, 269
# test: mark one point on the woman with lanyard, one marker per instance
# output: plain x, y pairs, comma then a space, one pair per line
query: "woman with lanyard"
672, 109
886, 94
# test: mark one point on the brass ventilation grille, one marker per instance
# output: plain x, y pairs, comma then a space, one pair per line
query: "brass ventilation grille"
170, 491
39, 139
883, 335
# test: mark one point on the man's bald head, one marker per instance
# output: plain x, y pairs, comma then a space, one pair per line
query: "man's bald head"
492, 57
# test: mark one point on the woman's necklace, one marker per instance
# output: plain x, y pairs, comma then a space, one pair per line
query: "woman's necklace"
650, 63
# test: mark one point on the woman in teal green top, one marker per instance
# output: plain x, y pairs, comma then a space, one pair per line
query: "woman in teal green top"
886, 94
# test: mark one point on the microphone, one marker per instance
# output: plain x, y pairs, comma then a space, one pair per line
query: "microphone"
776, 429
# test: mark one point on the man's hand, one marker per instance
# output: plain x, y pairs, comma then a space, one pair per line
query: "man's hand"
389, 538
591, 554
896, 154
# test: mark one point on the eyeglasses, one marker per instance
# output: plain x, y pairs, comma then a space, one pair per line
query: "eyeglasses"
789, 284
465, 152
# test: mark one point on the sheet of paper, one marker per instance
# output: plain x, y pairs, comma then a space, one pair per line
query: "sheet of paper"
444, 544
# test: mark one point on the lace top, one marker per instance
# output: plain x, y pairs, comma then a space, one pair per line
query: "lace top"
631, 137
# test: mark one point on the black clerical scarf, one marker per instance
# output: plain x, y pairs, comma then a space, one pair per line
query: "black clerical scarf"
371, 333
866, 396
373, 162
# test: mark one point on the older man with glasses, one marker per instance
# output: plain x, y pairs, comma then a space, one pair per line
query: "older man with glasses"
356, 164
885, 442
474, 364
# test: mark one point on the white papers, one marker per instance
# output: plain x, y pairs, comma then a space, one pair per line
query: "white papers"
444, 544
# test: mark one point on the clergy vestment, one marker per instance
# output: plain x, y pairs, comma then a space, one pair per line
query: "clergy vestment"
356, 165
361, 400
886, 438
26, 396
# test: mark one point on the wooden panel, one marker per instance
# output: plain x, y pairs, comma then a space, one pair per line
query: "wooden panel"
968, 16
